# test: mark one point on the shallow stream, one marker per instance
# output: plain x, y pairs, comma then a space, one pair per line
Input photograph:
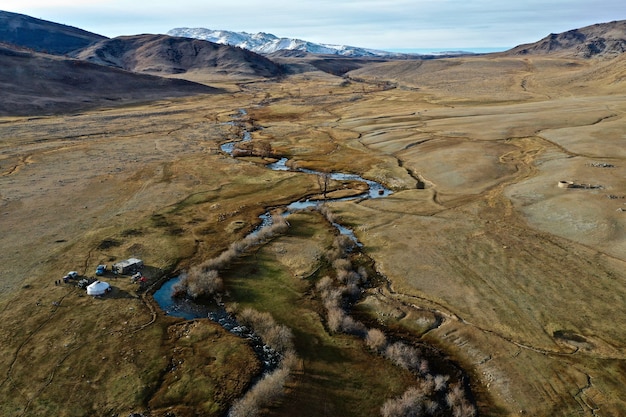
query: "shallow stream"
188, 309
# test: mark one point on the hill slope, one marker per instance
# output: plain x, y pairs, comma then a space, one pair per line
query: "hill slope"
41, 35
34, 83
603, 39
162, 54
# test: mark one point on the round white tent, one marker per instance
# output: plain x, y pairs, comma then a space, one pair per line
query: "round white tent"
98, 288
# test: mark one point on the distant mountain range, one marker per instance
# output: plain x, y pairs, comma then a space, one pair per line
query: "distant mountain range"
266, 43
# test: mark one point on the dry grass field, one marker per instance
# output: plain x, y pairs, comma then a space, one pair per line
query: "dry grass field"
479, 254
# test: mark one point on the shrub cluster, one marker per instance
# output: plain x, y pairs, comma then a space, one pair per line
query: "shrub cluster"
277, 336
203, 280
271, 386
336, 296
414, 402
431, 396
264, 392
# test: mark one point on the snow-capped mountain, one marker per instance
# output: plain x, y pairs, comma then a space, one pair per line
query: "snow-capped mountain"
266, 43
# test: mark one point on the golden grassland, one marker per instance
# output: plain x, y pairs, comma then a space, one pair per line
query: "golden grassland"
480, 254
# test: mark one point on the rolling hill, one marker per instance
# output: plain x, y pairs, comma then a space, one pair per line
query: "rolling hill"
599, 40
165, 55
42, 35
33, 84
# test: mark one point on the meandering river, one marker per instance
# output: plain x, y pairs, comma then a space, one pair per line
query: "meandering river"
188, 309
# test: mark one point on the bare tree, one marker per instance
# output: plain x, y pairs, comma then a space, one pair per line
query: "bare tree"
323, 180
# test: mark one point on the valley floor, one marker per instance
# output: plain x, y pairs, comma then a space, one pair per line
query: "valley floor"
478, 257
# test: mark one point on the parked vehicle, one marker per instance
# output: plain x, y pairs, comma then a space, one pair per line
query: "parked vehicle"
101, 269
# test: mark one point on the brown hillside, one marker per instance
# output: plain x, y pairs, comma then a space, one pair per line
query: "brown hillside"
603, 39
500, 79
33, 83
161, 54
41, 35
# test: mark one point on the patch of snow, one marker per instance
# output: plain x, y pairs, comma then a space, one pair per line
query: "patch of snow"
266, 43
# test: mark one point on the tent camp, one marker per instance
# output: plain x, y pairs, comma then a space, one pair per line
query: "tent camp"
98, 288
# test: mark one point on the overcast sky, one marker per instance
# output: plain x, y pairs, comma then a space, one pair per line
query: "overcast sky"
390, 24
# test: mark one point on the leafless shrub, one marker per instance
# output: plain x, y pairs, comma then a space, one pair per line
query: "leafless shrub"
273, 334
221, 261
332, 298
204, 279
431, 407
339, 321
263, 393
333, 253
324, 284
351, 290
342, 264
403, 355
271, 387
348, 277
427, 384
351, 326
342, 246
410, 404
209, 283
441, 382
323, 181
279, 338
335, 316
454, 395
363, 274
464, 409
239, 247
199, 283
344, 243
376, 340
327, 213
279, 225
232, 308
457, 402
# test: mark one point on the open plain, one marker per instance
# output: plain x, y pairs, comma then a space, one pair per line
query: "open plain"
479, 255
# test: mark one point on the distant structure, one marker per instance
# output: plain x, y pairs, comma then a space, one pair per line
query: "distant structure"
572, 184
127, 267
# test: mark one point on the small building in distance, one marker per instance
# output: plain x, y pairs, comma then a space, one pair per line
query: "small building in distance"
127, 266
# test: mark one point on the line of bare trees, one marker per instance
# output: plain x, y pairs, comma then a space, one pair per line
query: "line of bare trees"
431, 395
272, 386
204, 280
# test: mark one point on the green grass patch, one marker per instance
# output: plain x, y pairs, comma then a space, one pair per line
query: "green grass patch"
339, 375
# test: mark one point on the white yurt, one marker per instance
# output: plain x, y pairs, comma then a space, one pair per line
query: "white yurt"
98, 288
